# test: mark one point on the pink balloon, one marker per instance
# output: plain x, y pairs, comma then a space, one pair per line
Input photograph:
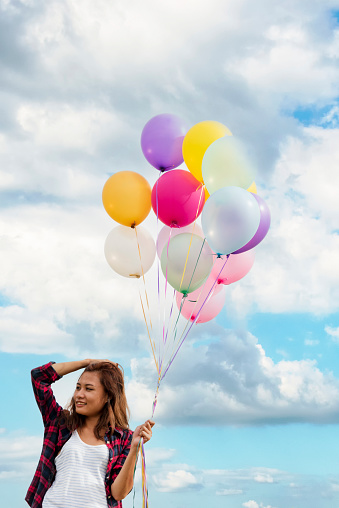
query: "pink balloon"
193, 302
237, 266
167, 232
177, 198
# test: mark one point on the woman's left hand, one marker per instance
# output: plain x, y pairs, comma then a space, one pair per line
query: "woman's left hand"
142, 431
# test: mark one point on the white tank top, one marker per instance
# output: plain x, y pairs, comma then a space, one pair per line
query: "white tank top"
80, 476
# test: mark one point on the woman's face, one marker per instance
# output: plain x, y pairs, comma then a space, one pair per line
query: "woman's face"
89, 395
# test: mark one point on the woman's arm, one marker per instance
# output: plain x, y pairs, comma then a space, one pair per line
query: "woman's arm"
123, 483
64, 368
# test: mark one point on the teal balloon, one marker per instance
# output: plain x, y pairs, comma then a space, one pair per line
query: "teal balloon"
225, 163
198, 266
230, 218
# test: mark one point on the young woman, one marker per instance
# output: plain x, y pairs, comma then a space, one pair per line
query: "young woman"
89, 454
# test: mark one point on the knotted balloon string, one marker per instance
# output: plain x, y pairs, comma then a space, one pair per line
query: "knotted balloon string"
154, 405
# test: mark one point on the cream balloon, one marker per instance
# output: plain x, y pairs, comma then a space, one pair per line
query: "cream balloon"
125, 246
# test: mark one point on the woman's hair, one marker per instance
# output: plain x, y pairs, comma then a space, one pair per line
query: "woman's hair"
115, 412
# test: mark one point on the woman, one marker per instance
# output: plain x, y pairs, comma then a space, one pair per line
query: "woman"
89, 454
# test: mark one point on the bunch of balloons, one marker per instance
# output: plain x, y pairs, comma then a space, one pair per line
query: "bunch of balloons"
197, 262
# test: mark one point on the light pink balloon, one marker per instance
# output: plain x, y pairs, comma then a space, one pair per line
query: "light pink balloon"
237, 266
196, 299
165, 233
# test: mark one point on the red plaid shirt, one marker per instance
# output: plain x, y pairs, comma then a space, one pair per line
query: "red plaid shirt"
55, 436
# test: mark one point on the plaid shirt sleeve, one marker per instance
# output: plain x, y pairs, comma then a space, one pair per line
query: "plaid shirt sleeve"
125, 447
42, 378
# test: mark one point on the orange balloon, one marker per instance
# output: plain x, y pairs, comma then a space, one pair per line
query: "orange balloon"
127, 198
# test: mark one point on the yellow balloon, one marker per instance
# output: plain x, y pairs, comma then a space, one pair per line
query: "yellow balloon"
252, 188
196, 142
127, 198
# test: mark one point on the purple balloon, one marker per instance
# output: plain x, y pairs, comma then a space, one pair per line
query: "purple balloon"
264, 225
161, 141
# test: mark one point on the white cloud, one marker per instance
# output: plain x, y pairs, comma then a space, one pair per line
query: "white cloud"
68, 128
263, 478
254, 504
19, 454
22, 331
229, 492
175, 481
203, 387
251, 504
296, 267
333, 333
310, 342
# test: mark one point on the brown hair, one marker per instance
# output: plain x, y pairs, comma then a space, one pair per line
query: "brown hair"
115, 412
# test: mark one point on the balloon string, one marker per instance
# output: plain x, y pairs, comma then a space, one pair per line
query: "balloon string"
175, 330
141, 450
143, 276
168, 343
197, 300
159, 313
196, 317
189, 248
183, 300
149, 335
166, 282
152, 342
154, 405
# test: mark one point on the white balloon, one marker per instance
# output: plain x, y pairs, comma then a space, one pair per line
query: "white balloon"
122, 251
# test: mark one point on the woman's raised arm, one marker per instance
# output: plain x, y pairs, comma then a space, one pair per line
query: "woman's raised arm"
64, 368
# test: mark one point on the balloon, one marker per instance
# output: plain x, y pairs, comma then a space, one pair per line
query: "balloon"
230, 218
167, 232
198, 265
264, 225
196, 301
127, 198
196, 142
252, 188
225, 163
161, 141
236, 267
122, 251
177, 198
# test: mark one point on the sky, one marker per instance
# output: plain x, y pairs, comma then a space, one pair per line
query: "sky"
248, 413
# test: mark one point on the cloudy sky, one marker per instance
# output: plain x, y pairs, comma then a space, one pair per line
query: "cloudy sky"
248, 413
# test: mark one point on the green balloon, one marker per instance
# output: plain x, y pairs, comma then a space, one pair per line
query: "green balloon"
199, 258
225, 163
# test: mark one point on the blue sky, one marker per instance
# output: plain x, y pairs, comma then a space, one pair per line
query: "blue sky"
248, 413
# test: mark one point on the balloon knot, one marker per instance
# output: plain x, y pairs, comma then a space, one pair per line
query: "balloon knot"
133, 225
